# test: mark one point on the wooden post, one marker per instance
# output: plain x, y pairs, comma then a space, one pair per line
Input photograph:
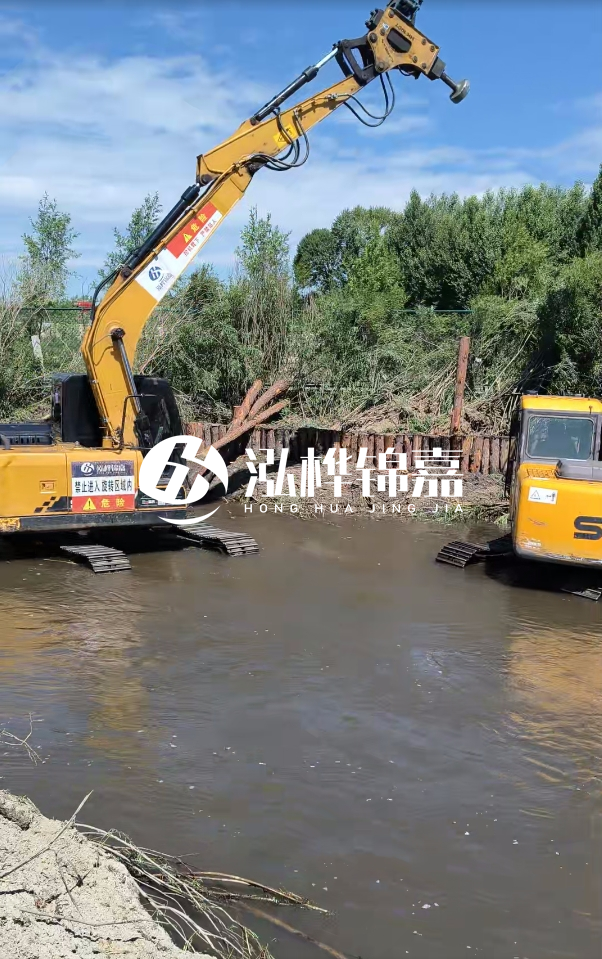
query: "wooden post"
463, 354
486, 455
494, 463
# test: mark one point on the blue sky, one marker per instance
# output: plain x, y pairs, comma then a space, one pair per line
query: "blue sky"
101, 103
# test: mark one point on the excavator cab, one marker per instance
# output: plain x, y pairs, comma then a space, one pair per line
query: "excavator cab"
556, 487
74, 415
75, 418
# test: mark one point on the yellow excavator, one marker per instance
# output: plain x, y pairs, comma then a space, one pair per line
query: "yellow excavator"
554, 481
80, 469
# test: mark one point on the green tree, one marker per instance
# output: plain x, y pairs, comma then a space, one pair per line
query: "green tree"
201, 290
44, 272
375, 273
317, 260
550, 214
261, 295
570, 320
143, 221
264, 251
589, 231
446, 248
414, 238
523, 269
354, 229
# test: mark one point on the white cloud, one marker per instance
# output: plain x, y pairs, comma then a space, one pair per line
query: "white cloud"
100, 134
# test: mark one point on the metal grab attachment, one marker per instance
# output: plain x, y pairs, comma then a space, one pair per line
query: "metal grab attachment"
460, 89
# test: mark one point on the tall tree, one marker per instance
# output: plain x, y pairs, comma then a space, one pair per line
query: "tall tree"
262, 297
143, 221
264, 249
589, 232
355, 229
44, 272
317, 260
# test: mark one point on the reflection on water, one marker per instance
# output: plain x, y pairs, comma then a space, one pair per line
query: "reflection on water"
556, 680
415, 747
558, 670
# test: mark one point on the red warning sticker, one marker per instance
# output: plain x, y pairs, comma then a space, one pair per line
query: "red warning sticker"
200, 225
101, 504
102, 487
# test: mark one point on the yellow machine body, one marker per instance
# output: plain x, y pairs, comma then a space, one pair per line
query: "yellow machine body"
556, 490
68, 487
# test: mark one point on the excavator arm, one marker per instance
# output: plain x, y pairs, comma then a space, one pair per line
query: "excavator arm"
272, 138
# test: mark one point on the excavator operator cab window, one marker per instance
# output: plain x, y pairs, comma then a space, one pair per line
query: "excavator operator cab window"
560, 437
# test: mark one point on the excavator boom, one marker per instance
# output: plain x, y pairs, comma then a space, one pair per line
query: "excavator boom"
273, 138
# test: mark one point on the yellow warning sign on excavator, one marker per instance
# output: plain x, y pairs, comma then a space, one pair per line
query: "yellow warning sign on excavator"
89, 505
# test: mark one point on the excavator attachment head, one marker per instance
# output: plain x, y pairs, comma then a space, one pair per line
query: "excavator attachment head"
460, 90
407, 8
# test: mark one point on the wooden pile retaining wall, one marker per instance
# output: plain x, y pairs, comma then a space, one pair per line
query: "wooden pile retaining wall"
479, 453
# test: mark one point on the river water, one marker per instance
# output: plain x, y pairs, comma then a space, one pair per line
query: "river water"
416, 748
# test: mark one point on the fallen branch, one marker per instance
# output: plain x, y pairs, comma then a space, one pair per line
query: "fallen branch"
294, 932
188, 903
289, 897
9, 739
236, 432
280, 386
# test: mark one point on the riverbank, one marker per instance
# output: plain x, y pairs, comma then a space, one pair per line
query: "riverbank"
70, 889
483, 498
63, 895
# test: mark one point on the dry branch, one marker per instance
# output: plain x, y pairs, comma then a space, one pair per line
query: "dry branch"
280, 386
190, 903
244, 409
9, 739
294, 932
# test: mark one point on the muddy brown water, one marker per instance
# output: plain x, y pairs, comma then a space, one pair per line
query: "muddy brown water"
414, 747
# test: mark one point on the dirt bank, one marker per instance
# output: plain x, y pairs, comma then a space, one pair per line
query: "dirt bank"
482, 497
62, 896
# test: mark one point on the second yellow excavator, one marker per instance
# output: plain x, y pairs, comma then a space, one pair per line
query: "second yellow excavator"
554, 483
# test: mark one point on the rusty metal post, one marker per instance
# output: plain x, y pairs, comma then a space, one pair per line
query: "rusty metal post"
463, 354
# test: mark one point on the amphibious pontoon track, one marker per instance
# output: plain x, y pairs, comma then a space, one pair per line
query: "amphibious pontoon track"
459, 553
102, 559
226, 541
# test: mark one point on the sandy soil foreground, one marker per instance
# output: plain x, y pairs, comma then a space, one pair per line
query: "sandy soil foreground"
62, 896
